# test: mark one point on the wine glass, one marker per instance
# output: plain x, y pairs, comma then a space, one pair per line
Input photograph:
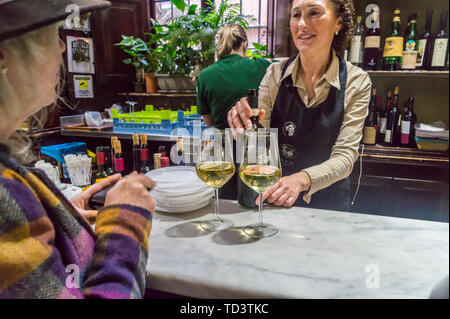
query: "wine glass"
215, 167
260, 169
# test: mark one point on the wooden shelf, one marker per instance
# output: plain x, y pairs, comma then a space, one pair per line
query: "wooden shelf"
410, 74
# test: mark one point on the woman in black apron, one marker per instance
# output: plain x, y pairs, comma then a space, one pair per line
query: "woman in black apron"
306, 135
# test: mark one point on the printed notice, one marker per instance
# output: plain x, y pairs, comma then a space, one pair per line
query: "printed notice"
83, 86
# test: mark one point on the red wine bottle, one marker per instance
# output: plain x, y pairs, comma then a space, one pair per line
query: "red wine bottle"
136, 157
425, 45
440, 46
370, 130
119, 162
372, 44
143, 151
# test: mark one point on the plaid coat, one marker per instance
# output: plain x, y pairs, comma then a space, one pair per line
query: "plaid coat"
48, 250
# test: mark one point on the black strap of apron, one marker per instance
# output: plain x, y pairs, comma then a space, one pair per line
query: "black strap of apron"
286, 65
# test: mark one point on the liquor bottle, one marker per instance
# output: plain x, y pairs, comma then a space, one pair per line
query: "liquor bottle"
439, 56
252, 97
113, 145
143, 155
108, 160
100, 155
407, 27
136, 155
119, 163
393, 48
180, 151
398, 122
378, 112
390, 138
425, 45
411, 45
356, 48
383, 118
370, 131
162, 150
407, 123
372, 44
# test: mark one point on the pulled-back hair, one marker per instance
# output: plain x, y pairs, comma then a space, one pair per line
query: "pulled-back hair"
231, 37
346, 10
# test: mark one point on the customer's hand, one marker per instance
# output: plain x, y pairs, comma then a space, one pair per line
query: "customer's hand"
132, 190
285, 192
239, 116
80, 201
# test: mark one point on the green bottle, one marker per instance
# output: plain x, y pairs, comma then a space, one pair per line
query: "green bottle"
411, 46
393, 48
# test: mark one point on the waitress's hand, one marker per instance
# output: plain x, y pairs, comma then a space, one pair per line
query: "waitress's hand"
239, 116
132, 190
80, 201
285, 192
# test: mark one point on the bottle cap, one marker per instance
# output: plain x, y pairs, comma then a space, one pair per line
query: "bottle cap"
156, 155
358, 19
165, 162
397, 11
396, 90
117, 146
113, 140
252, 92
143, 139
374, 91
135, 139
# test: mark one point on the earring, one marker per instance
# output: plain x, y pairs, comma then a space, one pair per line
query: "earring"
3, 70
336, 33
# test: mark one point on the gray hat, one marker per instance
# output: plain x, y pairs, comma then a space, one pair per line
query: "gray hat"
21, 16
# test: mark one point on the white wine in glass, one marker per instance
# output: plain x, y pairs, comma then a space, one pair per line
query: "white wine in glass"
215, 167
260, 170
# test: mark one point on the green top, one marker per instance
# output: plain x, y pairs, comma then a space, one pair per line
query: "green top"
222, 84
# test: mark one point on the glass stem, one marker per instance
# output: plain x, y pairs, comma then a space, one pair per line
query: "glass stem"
260, 208
216, 206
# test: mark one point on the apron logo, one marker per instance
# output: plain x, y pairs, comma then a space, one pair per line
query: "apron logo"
289, 129
288, 152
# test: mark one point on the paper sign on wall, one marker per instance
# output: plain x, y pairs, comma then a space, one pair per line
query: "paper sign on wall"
83, 86
80, 55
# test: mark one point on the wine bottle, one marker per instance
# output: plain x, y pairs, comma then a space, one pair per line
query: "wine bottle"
157, 160
356, 48
393, 48
370, 131
407, 122
143, 154
162, 150
372, 44
119, 163
252, 97
108, 160
136, 156
100, 155
383, 118
113, 145
398, 122
425, 45
180, 151
378, 113
410, 50
390, 138
439, 56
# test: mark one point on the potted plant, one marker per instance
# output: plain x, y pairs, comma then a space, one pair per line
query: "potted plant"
187, 44
139, 52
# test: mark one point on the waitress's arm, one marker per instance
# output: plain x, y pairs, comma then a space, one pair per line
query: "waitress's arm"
207, 118
345, 151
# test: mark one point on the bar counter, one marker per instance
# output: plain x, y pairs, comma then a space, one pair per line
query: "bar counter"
315, 254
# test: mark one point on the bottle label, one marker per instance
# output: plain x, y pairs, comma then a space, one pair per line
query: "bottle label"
399, 121
421, 52
396, 19
372, 41
387, 137
370, 135
409, 60
410, 45
439, 52
355, 49
119, 164
255, 112
383, 125
406, 125
393, 47
101, 158
144, 154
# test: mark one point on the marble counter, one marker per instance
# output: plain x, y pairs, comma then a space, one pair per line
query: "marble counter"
316, 254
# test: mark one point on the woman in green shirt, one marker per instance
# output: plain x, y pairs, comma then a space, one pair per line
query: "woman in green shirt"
222, 84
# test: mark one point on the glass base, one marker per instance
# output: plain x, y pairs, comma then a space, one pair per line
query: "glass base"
260, 230
217, 224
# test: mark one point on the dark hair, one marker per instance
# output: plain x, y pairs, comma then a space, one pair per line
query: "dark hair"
346, 10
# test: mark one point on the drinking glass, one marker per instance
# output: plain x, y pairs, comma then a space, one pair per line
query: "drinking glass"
260, 169
215, 167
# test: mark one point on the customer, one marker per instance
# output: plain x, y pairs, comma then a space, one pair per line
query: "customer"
318, 102
47, 248
222, 84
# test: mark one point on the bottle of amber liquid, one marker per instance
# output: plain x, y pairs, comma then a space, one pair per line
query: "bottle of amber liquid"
252, 97
393, 48
119, 162
100, 155
370, 125
136, 164
113, 145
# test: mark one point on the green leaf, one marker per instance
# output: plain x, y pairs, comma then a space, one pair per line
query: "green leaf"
127, 61
180, 4
192, 9
130, 53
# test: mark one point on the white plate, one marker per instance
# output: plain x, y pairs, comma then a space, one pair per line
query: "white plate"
182, 191
183, 209
174, 175
184, 199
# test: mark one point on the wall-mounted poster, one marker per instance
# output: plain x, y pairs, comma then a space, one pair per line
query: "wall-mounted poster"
80, 55
78, 23
83, 86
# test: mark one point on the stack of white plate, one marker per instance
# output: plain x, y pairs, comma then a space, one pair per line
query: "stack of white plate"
179, 190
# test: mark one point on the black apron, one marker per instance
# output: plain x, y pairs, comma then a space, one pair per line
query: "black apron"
306, 136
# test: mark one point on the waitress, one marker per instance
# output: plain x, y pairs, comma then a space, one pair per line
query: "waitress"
318, 102
222, 84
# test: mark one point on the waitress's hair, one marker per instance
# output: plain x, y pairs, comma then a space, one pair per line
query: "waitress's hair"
231, 37
346, 10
